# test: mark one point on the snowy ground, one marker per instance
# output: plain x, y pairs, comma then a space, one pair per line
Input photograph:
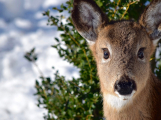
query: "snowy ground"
23, 27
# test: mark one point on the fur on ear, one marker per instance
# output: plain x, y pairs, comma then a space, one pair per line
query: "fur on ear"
88, 18
151, 20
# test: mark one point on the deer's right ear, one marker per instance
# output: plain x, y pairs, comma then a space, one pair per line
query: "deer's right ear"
151, 20
88, 19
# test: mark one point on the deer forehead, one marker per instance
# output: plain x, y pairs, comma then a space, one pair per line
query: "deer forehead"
125, 35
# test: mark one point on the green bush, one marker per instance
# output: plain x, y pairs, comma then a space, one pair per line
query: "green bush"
80, 99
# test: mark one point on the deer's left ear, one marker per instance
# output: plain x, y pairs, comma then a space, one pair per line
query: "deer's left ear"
88, 19
151, 20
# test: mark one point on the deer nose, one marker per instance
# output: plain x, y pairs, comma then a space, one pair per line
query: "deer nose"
125, 87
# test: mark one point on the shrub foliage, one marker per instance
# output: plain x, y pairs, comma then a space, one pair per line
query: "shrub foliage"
80, 99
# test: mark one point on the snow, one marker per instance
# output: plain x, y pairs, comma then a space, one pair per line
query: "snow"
22, 23
3, 24
23, 27
48, 3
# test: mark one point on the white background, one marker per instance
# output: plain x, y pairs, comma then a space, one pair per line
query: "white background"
23, 27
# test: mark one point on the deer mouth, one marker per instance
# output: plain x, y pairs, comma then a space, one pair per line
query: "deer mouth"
125, 97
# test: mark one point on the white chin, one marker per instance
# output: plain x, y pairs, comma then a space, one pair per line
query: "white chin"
125, 97
119, 101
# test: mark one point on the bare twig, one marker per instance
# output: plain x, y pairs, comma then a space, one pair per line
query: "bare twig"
116, 8
127, 7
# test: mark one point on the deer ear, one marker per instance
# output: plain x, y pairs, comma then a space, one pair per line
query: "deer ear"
88, 19
151, 20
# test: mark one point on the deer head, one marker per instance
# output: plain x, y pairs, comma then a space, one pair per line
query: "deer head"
122, 49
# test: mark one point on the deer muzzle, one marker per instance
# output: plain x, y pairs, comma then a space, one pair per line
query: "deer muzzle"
125, 86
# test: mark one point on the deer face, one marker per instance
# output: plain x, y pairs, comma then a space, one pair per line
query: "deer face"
122, 53
122, 49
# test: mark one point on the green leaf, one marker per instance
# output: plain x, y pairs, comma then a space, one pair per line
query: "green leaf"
57, 39
99, 3
48, 13
37, 83
32, 50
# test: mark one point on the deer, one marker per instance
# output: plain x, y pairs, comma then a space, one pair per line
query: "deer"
122, 51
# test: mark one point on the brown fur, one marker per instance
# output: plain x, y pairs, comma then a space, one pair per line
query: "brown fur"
123, 39
145, 106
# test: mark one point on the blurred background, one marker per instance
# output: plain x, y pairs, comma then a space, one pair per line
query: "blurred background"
22, 27
74, 91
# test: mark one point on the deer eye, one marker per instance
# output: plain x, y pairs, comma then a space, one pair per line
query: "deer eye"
106, 53
141, 53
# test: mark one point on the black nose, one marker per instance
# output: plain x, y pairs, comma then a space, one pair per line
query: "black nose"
125, 87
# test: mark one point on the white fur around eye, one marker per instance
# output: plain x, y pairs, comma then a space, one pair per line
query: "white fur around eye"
138, 48
142, 60
105, 61
110, 52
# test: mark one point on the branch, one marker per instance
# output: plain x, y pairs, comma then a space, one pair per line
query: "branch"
127, 7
